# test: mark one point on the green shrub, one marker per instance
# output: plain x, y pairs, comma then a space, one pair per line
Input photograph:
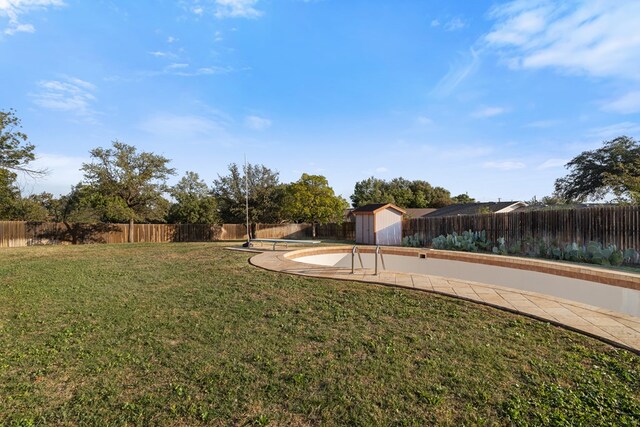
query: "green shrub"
592, 252
415, 241
631, 256
468, 241
501, 249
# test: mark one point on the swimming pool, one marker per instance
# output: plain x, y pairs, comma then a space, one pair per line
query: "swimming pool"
611, 290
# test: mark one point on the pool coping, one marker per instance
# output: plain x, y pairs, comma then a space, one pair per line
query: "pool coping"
618, 329
580, 271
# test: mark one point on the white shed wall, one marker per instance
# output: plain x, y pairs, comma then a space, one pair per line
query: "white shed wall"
389, 227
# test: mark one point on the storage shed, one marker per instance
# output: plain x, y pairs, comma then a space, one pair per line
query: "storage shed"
379, 224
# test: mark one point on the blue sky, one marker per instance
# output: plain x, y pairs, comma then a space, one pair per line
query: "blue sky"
491, 98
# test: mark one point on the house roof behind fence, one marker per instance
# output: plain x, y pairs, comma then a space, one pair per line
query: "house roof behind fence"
419, 212
475, 208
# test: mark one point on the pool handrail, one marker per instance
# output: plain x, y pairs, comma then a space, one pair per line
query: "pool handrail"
379, 252
353, 255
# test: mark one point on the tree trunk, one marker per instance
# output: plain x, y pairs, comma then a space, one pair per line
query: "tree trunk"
72, 233
313, 230
131, 230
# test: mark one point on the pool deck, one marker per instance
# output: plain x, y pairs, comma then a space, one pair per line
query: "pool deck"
618, 329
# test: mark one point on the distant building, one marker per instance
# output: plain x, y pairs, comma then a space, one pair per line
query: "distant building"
546, 207
419, 212
348, 216
476, 208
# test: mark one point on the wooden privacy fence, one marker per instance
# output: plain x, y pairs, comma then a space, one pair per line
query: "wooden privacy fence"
21, 233
282, 231
343, 231
619, 225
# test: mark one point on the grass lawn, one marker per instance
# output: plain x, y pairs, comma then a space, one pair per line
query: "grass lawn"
189, 334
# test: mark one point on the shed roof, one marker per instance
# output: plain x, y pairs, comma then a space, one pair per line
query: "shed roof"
376, 207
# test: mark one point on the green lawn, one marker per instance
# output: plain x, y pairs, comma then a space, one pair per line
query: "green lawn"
188, 334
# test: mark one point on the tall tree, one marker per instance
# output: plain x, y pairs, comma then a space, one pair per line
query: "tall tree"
15, 150
265, 194
613, 169
311, 199
370, 190
194, 203
81, 205
402, 192
441, 198
9, 195
463, 198
31, 208
15, 154
127, 184
422, 194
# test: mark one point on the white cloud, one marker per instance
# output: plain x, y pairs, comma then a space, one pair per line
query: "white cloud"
63, 172
185, 70
69, 94
19, 28
206, 71
237, 9
448, 151
382, 169
454, 24
257, 123
487, 112
458, 72
552, 163
423, 120
13, 9
542, 124
592, 37
225, 8
161, 54
504, 165
626, 104
181, 126
615, 130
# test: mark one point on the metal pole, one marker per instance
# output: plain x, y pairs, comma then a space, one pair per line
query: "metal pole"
246, 199
353, 259
376, 257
